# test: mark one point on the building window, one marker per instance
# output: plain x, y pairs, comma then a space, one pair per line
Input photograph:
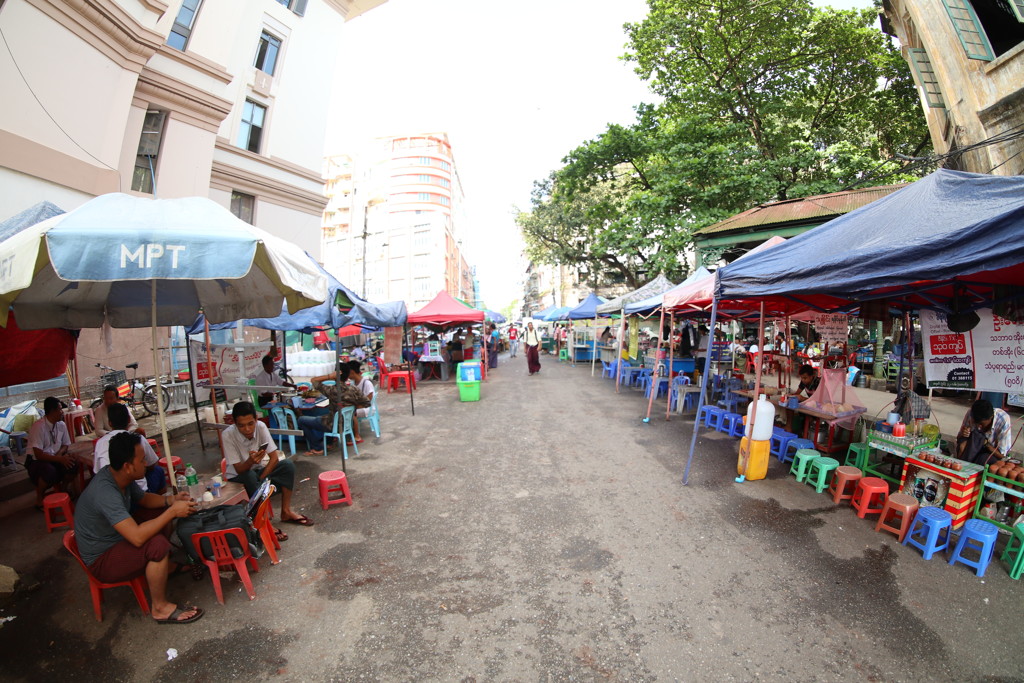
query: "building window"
446, 166
424, 178
251, 132
423, 196
421, 286
444, 200
243, 206
926, 77
421, 239
266, 53
183, 23
144, 176
297, 6
424, 161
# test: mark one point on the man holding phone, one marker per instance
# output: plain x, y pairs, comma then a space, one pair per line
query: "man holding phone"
984, 436
251, 456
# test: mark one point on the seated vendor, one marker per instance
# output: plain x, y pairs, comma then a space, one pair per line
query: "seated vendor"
319, 421
268, 378
365, 386
48, 463
809, 380
101, 413
984, 436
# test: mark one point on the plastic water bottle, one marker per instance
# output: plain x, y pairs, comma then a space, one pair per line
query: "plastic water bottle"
182, 483
192, 480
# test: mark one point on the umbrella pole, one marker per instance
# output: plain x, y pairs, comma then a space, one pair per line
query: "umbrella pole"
159, 389
412, 401
657, 364
593, 348
618, 352
209, 369
192, 386
701, 396
671, 357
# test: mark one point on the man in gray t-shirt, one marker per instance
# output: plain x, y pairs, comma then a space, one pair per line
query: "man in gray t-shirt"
113, 545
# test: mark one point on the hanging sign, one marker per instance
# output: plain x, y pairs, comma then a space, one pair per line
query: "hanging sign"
988, 358
833, 328
393, 345
634, 338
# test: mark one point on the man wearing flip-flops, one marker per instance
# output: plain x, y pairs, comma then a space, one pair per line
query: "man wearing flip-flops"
117, 548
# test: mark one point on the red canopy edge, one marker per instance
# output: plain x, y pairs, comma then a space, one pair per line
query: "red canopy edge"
33, 355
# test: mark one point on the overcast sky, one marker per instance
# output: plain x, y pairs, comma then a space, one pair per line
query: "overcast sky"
515, 88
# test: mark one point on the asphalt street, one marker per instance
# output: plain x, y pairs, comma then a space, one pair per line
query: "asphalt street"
542, 533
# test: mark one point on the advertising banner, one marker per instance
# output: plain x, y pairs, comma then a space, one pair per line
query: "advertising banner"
834, 328
225, 365
988, 358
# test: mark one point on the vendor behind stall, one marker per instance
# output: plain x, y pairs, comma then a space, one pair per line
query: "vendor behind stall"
984, 436
809, 380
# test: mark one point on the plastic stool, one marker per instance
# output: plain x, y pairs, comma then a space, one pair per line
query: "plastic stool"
925, 532
780, 442
870, 495
712, 416
860, 454
1016, 564
176, 463
563, 355
818, 471
156, 447
333, 481
842, 479
897, 504
58, 502
725, 425
976, 534
801, 460
795, 445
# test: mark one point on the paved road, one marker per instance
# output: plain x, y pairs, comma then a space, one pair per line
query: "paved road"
542, 534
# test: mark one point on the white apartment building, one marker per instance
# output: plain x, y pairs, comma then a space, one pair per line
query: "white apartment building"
394, 220
168, 98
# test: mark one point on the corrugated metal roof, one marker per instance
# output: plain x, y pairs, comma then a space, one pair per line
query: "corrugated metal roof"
806, 209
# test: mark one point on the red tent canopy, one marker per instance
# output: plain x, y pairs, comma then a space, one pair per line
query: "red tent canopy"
445, 311
33, 355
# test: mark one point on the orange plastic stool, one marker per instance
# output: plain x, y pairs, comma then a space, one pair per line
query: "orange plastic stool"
58, 502
870, 496
844, 482
176, 463
333, 481
155, 446
898, 504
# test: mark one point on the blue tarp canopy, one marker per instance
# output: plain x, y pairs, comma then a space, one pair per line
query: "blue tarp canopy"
652, 304
906, 248
541, 315
495, 317
586, 308
556, 314
342, 307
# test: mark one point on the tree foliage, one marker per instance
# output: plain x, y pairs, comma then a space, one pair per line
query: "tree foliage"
762, 100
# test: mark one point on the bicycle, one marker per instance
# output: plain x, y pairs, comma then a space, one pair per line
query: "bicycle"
138, 395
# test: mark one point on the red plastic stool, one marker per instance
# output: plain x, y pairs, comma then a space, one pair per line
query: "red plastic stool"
898, 504
844, 482
156, 449
58, 502
176, 463
870, 496
333, 481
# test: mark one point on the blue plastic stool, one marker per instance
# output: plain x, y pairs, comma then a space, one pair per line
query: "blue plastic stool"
926, 531
802, 461
977, 534
780, 442
712, 416
738, 428
727, 421
795, 445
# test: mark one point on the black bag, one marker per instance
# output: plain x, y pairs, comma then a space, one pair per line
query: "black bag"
216, 519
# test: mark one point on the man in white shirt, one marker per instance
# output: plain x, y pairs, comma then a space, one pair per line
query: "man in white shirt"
268, 378
48, 463
119, 417
102, 412
365, 386
251, 456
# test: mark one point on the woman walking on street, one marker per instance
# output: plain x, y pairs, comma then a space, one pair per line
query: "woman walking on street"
532, 341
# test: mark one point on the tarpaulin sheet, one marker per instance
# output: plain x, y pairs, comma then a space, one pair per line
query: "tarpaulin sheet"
33, 355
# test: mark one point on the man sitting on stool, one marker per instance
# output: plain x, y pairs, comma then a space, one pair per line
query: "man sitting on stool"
102, 414
48, 463
251, 456
155, 479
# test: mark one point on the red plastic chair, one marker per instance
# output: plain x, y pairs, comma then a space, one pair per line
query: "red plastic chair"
751, 362
392, 378
223, 558
266, 529
96, 587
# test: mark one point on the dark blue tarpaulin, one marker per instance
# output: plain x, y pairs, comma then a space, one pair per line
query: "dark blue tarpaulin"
948, 225
586, 308
341, 308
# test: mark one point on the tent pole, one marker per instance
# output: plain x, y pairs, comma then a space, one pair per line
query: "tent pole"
759, 366
412, 401
209, 368
192, 386
700, 396
657, 364
671, 357
618, 352
593, 347
159, 388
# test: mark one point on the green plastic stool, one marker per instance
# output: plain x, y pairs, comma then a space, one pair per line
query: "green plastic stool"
859, 451
1016, 564
801, 460
563, 354
818, 472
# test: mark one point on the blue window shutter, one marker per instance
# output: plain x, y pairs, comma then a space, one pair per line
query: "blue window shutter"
299, 7
926, 77
1018, 9
968, 28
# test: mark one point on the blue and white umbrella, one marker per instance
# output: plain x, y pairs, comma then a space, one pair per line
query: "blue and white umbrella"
100, 264
127, 261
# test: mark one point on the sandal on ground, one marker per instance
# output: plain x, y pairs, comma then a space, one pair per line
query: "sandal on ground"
313, 451
281, 536
178, 611
301, 520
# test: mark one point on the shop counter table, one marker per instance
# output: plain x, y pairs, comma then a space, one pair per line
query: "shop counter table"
583, 353
936, 486
608, 353
683, 366
896, 448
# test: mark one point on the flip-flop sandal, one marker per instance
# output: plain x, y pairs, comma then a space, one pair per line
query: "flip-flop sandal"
301, 520
281, 536
314, 452
178, 611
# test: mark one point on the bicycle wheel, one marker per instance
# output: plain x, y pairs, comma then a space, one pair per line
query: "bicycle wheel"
150, 402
